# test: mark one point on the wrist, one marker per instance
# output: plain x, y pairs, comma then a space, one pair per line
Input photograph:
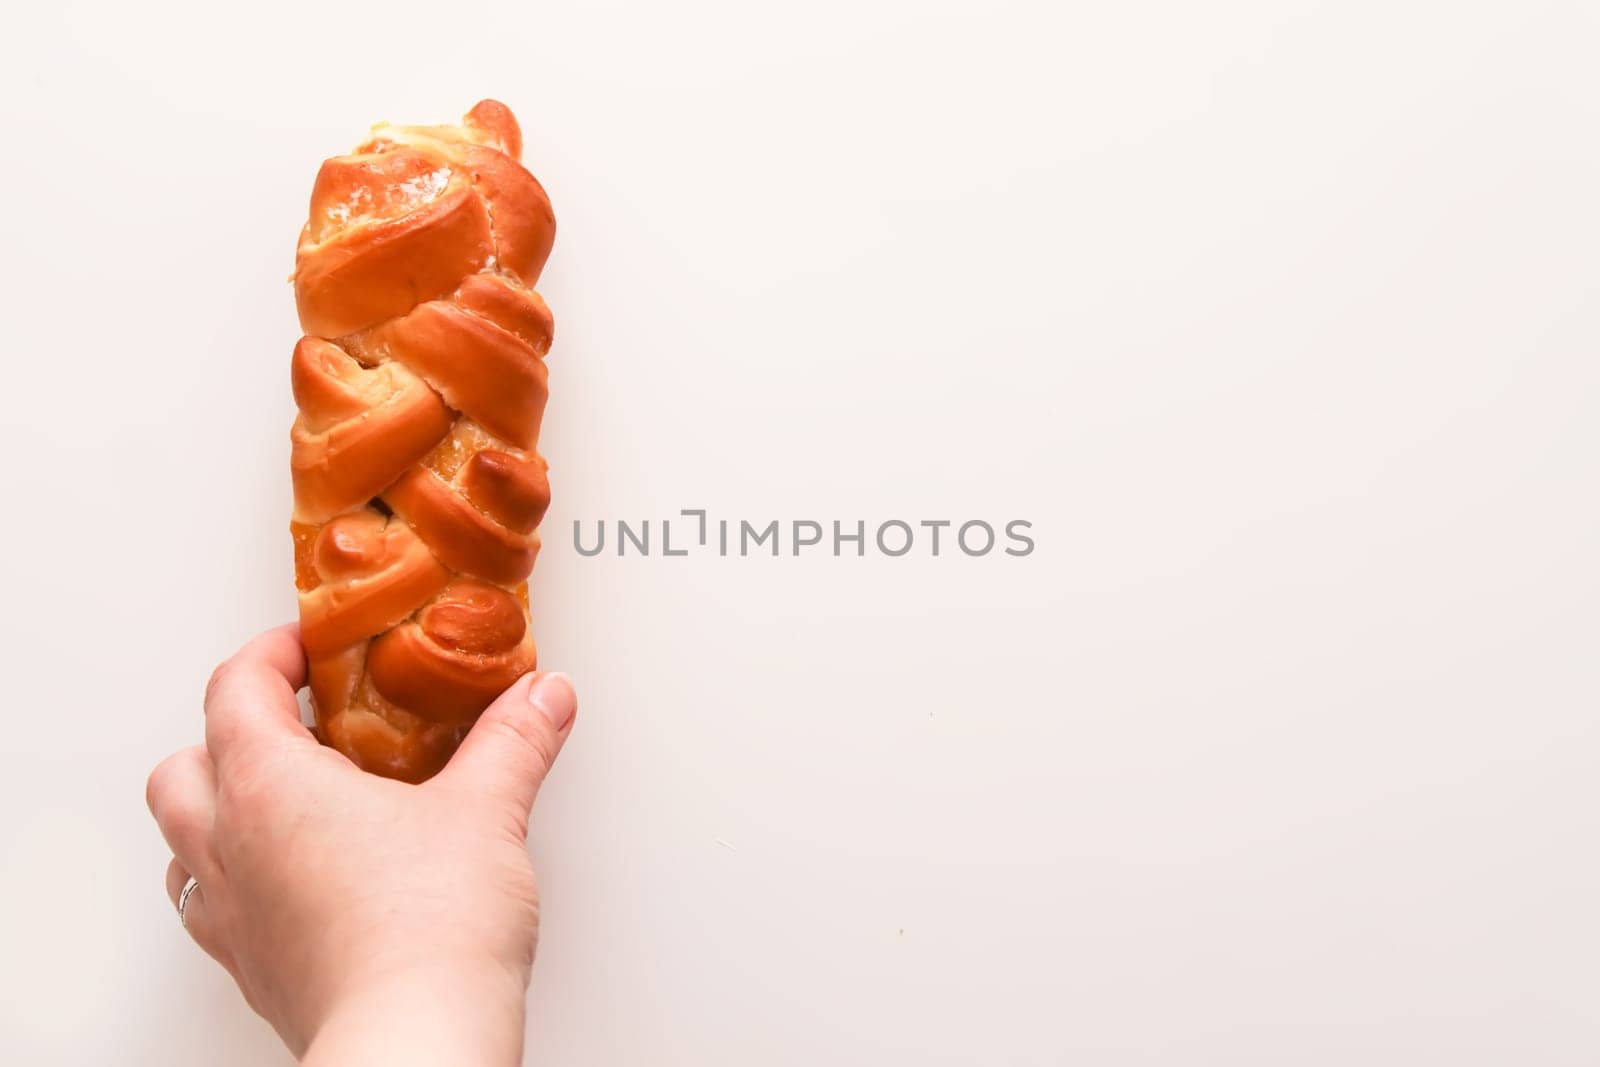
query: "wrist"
443, 1012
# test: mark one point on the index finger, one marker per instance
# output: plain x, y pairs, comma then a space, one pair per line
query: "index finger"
251, 696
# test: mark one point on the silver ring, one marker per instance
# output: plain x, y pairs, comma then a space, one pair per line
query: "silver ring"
183, 900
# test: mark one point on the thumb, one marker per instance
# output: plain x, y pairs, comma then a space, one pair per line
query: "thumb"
512, 745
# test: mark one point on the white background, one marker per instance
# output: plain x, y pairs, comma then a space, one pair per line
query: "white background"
1278, 321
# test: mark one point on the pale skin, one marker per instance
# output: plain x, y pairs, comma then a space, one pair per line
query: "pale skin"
367, 920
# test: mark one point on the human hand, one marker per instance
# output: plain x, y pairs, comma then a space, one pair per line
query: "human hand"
367, 920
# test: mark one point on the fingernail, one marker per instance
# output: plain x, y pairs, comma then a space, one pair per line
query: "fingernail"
555, 698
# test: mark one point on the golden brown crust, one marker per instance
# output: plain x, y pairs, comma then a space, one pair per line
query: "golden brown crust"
456, 656
375, 270
421, 384
464, 538
491, 376
359, 429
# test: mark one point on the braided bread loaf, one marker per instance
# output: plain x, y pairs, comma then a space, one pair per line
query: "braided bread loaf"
417, 485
